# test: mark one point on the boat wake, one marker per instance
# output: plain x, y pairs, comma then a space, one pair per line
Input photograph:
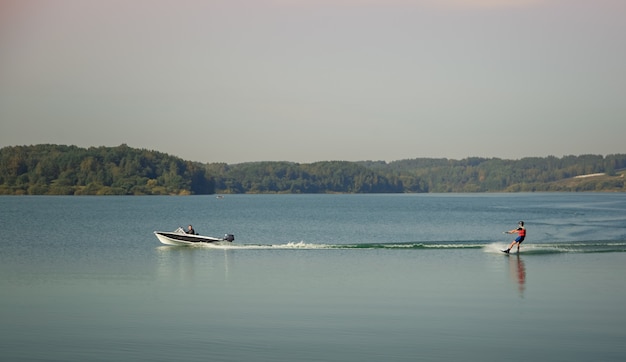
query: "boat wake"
487, 247
560, 248
314, 246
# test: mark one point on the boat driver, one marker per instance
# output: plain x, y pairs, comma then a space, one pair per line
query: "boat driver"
190, 230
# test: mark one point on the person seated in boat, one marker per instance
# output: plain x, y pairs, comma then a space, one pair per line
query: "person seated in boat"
190, 230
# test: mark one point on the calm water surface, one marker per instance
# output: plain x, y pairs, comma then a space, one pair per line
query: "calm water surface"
314, 278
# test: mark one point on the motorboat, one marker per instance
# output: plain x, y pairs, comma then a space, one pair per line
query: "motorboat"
180, 237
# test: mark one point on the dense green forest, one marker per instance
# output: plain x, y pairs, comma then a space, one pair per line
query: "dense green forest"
71, 170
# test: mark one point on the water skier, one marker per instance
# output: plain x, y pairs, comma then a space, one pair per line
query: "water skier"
521, 235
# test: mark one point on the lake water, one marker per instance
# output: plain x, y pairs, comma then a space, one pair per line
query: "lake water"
314, 278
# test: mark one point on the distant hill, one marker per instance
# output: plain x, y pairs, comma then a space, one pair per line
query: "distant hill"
497, 175
69, 170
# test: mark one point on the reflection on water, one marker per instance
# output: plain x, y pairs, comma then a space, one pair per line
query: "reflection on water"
517, 270
185, 263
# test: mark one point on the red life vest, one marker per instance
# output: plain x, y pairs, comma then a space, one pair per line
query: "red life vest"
521, 232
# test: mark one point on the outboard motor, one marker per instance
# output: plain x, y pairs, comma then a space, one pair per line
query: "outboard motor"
229, 237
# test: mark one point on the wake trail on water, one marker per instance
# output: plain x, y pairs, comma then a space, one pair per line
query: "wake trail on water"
559, 248
487, 247
362, 246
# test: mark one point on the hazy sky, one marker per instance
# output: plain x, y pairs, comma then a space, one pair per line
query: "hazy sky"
315, 80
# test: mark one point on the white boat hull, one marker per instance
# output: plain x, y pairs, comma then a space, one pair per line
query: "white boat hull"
179, 238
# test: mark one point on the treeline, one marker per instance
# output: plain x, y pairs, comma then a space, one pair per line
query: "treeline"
498, 175
288, 177
122, 170
70, 170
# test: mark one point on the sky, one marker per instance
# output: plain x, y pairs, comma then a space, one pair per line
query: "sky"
316, 80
